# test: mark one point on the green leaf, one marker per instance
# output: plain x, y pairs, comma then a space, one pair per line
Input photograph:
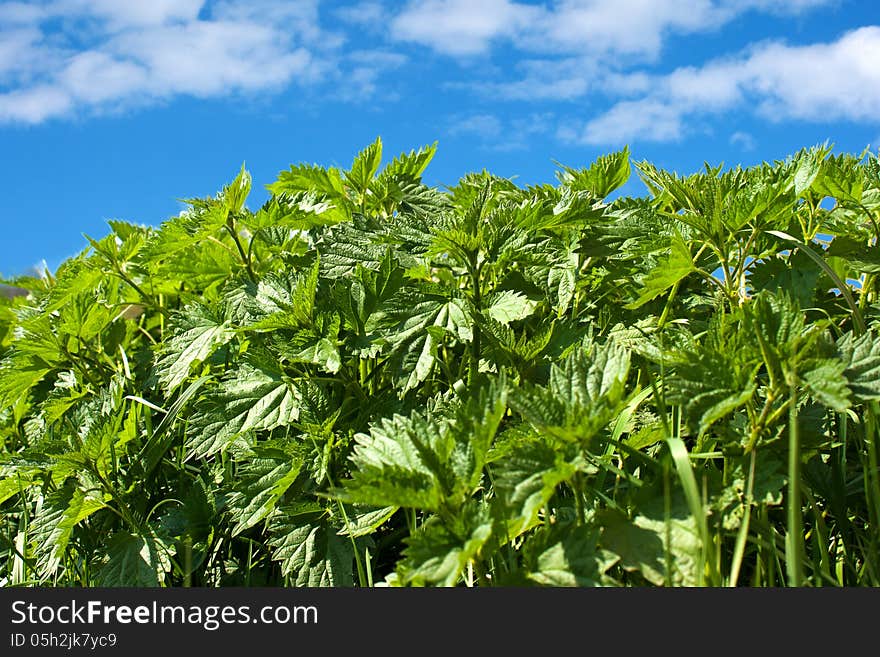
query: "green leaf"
255, 397
282, 301
584, 393
308, 178
660, 548
365, 522
262, 484
134, 561
605, 175
509, 306
794, 274
575, 559
62, 511
438, 554
526, 479
310, 550
828, 385
671, 270
365, 166
19, 373
426, 461
858, 320
236, 193
860, 256
14, 480
410, 165
195, 335
861, 359
413, 343
807, 171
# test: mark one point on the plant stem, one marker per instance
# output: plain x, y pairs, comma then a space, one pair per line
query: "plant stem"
794, 533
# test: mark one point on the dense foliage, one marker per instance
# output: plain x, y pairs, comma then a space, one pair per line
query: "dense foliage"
369, 381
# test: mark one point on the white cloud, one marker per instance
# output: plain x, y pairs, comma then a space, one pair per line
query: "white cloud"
493, 133
547, 79
95, 55
597, 27
485, 126
34, 104
20, 13
130, 13
461, 27
95, 77
365, 71
369, 13
821, 82
207, 58
639, 120
744, 140
839, 80
17, 49
635, 27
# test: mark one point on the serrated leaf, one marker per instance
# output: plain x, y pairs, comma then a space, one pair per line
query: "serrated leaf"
794, 275
509, 306
236, 193
808, 169
650, 541
253, 398
827, 384
311, 551
196, 334
307, 178
573, 560
861, 359
134, 561
438, 554
62, 511
860, 256
413, 343
425, 461
365, 522
19, 373
365, 166
672, 269
526, 479
605, 175
263, 483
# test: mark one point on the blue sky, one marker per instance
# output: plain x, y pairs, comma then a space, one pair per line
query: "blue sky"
114, 109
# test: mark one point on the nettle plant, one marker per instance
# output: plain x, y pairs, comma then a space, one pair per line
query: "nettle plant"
369, 381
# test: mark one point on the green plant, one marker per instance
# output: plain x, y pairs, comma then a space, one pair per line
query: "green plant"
370, 381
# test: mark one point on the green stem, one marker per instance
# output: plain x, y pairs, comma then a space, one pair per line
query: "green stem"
742, 536
478, 301
244, 256
668, 307
794, 534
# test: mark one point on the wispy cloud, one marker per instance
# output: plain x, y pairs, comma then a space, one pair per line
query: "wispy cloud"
602, 59
743, 140
493, 133
109, 54
595, 27
485, 126
461, 27
369, 13
821, 82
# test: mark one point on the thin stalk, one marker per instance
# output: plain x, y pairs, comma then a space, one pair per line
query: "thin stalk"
668, 307
742, 536
244, 257
794, 527
474, 370
872, 473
